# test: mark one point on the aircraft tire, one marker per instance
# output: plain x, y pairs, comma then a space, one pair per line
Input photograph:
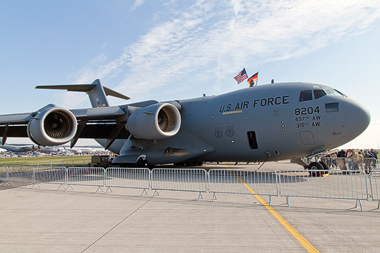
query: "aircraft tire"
141, 163
315, 166
325, 167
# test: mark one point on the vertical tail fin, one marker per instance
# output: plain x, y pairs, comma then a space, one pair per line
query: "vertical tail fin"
97, 95
95, 91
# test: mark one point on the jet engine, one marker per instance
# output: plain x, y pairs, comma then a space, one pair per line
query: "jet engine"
53, 126
153, 122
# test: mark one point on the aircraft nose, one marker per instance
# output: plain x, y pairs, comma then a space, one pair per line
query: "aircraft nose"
357, 117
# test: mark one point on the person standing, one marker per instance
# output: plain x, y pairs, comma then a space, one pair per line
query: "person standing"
367, 161
374, 158
349, 157
341, 160
355, 160
360, 160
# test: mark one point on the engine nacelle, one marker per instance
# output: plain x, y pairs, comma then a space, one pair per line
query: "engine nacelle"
53, 126
156, 121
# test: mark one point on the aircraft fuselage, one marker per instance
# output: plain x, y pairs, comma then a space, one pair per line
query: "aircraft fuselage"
268, 122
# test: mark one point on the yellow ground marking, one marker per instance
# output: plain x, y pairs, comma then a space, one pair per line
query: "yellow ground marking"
307, 245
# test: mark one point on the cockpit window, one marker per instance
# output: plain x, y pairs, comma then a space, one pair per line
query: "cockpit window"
335, 93
319, 93
343, 95
305, 95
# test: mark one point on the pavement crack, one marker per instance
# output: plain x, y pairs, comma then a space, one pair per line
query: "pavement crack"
89, 246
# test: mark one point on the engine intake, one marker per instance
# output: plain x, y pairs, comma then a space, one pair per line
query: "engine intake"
54, 126
158, 121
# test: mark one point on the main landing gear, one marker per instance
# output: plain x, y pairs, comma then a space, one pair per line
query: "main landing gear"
318, 169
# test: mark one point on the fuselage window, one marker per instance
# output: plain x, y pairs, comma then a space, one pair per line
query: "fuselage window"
319, 94
305, 95
252, 140
332, 107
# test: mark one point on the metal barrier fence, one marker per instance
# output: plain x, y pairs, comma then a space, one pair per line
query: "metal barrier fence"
285, 183
4, 176
337, 185
21, 174
85, 176
256, 182
374, 177
65, 163
137, 178
50, 175
194, 180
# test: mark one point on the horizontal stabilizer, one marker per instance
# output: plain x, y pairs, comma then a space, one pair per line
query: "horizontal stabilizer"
82, 88
95, 91
113, 93
69, 87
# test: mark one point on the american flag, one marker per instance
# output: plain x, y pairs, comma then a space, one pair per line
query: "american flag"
241, 76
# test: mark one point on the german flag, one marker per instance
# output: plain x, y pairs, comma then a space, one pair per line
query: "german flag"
253, 79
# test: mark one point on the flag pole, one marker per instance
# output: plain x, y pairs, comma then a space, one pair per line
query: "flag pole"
253, 79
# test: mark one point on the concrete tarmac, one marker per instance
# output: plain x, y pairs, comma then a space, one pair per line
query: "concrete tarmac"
78, 220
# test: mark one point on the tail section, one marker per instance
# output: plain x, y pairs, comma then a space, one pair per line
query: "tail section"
96, 92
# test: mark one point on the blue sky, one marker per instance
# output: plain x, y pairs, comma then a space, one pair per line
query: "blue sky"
172, 49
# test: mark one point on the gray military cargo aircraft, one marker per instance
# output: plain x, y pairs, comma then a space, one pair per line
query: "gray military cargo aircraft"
18, 148
23, 148
263, 123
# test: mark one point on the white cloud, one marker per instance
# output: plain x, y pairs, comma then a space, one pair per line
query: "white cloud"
137, 4
214, 39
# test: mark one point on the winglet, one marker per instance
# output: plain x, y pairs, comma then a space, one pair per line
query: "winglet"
96, 92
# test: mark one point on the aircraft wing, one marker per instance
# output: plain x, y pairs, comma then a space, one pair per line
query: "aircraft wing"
15, 118
81, 114
102, 122
90, 131
52, 125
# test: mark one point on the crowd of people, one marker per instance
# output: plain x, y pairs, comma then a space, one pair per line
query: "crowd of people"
350, 159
